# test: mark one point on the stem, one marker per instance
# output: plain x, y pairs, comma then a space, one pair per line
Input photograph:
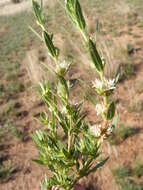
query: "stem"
69, 134
101, 74
84, 35
105, 101
69, 141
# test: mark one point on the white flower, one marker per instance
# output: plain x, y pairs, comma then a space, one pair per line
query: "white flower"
95, 130
62, 67
110, 84
104, 85
100, 108
109, 130
97, 84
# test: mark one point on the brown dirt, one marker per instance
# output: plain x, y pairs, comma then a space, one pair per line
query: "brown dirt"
30, 174
9, 8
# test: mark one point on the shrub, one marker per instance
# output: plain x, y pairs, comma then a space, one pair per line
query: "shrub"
78, 154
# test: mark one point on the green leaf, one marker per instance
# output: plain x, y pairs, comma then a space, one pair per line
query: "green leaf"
38, 161
99, 165
40, 134
79, 122
111, 111
63, 87
115, 120
79, 15
66, 153
48, 183
53, 121
44, 118
74, 11
62, 121
38, 12
91, 98
95, 56
53, 51
69, 9
117, 76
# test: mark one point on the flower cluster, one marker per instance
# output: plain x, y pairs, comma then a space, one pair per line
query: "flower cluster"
104, 86
96, 130
99, 132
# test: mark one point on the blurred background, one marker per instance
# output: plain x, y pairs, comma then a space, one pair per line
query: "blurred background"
118, 28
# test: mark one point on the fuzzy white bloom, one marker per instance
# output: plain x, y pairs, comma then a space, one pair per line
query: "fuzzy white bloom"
110, 84
104, 85
95, 130
110, 129
62, 67
100, 108
97, 84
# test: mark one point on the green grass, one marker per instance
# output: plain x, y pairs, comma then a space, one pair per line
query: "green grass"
10, 130
121, 133
136, 106
3, 133
15, 40
8, 111
6, 171
14, 87
127, 177
15, 131
129, 185
122, 172
127, 70
138, 169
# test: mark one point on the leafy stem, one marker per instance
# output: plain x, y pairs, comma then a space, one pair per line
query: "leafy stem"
75, 154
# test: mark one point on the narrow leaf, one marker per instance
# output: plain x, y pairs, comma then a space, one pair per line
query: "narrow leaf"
37, 11
117, 76
99, 165
48, 41
91, 98
38, 161
95, 56
79, 15
111, 111
115, 120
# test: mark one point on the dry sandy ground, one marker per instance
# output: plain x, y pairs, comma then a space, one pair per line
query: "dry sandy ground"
9, 8
30, 174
